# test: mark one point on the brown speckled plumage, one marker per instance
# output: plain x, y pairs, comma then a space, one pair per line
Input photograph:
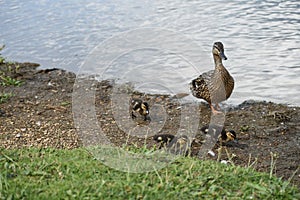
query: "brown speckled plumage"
216, 85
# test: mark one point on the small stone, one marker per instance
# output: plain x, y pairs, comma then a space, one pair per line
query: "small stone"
211, 153
2, 113
18, 135
224, 162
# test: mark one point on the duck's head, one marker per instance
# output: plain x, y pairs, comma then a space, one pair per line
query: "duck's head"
218, 50
145, 108
163, 138
230, 136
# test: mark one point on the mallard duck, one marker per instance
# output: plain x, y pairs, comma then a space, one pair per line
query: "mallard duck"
163, 139
139, 107
225, 136
216, 85
178, 145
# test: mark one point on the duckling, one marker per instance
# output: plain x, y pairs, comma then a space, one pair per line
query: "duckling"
163, 139
224, 137
137, 106
179, 145
211, 85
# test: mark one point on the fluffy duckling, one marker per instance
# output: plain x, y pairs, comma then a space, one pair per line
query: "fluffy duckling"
215, 85
224, 137
163, 139
139, 107
178, 145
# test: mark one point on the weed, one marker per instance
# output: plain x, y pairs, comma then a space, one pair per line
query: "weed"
8, 68
244, 128
253, 164
7, 80
65, 103
2, 59
273, 162
5, 97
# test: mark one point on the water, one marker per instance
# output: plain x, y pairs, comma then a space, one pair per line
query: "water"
261, 38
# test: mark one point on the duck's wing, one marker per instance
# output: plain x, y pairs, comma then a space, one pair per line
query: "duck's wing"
203, 80
200, 85
207, 76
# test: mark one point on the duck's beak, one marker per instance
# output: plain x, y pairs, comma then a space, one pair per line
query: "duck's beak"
223, 56
231, 136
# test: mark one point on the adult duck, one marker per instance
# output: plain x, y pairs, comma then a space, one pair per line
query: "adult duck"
215, 85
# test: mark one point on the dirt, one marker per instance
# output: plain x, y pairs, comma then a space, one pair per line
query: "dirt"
38, 113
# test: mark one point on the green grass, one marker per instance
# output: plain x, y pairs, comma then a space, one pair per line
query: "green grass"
74, 174
2, 59
7, 80
4, 97
8, 67
65, 103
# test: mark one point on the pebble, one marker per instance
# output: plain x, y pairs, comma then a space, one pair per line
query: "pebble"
224, 162
211, 153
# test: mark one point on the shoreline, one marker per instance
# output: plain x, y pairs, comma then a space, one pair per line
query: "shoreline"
38, 113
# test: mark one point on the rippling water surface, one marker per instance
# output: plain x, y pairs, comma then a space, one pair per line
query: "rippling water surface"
261, 38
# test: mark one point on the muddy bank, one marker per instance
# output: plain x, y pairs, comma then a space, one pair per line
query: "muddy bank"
38, 113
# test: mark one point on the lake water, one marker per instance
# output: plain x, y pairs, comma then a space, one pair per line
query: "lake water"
261, 38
